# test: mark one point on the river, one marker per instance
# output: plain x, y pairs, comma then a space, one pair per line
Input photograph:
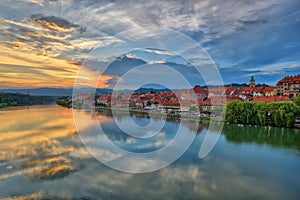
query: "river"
42, 157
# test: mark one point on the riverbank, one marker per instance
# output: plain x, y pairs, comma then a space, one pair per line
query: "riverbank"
276, 114
11, 99
168, 115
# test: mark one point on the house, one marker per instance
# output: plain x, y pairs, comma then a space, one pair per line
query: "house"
289, 85
258, 92
102, 100
212, 103
200, 92
246, 93
269, 91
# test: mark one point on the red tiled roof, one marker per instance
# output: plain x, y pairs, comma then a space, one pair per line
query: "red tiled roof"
290, 80
199, 89
171, 103
269, 89
216, 100
101, 98
258, 89
217, 90
244, 90
139, 101
271, 99
229, 90
204, 103
228, 99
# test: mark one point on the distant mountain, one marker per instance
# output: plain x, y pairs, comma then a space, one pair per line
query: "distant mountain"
104, 91
55, 92
146, 90
41, 91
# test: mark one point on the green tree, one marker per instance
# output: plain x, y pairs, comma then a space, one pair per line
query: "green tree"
233, 110
260, 117
297, 100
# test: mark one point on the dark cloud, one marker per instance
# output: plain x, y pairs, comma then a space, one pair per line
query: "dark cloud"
53, 23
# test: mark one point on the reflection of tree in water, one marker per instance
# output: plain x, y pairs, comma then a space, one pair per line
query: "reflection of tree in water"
276, 137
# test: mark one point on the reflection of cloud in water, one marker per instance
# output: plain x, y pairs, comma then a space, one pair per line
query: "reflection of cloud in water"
31, 142
26, 197
231, 171
156, 144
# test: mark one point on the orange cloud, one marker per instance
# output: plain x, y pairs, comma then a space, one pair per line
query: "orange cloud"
43, 54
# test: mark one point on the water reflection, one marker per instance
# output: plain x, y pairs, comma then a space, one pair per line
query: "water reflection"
31, 142
41, 157
276, 137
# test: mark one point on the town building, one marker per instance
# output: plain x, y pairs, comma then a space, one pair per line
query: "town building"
269, 91
289, 86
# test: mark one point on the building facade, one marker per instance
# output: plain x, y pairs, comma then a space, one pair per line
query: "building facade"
289, 86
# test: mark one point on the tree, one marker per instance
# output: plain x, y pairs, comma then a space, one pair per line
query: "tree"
297, 100
233, 109
281, 114
260, 117
193, 109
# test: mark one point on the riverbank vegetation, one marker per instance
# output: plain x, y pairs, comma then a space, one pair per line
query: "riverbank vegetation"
10, 99
64, 102
280, 114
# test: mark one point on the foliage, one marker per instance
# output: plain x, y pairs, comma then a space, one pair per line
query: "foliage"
64, 102
15, 99
193, 109
281, 114
297, 100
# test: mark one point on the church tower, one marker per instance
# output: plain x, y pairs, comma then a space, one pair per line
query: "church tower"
252, 82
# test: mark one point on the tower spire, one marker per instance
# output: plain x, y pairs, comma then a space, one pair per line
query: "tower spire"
252, 81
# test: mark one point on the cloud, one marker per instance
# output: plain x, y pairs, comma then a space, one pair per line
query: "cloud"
277, 67
52, 23
38, 2
158, 51
237, 34
41, 51
132, 56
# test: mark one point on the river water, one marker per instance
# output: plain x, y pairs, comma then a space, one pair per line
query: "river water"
42, 157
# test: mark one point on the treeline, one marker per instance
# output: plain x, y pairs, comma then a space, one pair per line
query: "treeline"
11, 99
281, 114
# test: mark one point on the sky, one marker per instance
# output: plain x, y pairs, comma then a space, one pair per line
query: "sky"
58, 43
